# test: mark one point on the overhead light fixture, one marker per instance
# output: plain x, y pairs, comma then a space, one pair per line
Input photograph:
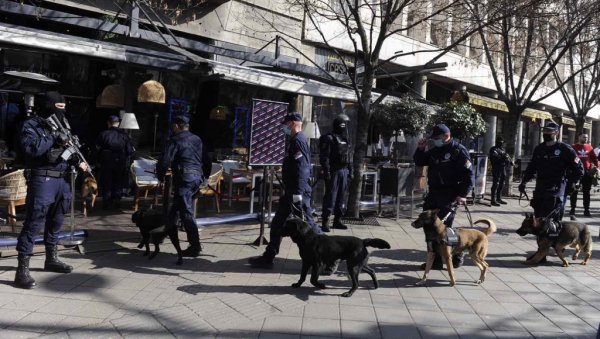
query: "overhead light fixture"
151, 91
112, 96
128, 121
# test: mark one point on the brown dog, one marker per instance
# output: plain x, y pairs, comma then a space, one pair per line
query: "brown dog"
89, 189
475, 241
574, 234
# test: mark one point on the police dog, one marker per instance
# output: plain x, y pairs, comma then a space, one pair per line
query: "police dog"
89, 190
153, 228
574, 234
475, 241
318, 251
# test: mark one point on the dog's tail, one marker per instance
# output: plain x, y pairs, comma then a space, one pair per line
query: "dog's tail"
491, 226
377, 243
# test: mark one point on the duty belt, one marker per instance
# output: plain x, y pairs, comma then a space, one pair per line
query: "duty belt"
47, 173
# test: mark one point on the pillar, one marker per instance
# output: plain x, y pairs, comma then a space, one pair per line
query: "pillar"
519, 141
595, 134
489, 139
420, 87
541, 138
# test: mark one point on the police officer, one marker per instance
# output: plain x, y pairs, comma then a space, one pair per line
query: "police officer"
588, 158
336, 165
296, 173
554, 163
48, 189
184, 155
114, 153
450, 179
499, 159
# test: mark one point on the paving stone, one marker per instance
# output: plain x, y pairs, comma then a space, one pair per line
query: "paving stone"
359, 313
321, 327
395, 331
360, 329
323, 311
280, 324
437, 332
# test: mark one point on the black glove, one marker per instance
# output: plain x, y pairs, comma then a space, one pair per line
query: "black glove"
60, 138
522, 187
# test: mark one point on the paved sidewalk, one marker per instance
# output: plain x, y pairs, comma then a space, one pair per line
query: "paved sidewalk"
119, 293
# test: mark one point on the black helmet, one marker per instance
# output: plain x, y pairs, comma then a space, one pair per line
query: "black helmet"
340, 123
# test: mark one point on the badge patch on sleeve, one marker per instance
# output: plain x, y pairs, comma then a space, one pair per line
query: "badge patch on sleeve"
577, 160
467, 164
298, 155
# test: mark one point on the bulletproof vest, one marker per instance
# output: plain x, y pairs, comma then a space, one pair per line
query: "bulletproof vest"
340, 153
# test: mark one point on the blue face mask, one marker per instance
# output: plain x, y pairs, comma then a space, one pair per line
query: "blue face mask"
287, 130
438, 142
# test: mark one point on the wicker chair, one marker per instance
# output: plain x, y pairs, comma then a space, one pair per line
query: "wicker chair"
13, 190
213, 189
144, 179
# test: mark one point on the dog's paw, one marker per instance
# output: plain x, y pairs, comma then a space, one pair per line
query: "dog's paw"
347, 294
452, 283
565, 264
584, 263
152, 256
296, 285
574, 257
479, 282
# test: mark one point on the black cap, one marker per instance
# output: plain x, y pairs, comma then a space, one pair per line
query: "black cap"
292, 117
113, 119
181, 119
439, 130
551, 126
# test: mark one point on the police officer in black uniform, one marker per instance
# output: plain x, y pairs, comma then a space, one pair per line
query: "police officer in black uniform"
296, 173
114, 154
499, 159
450, 179
336, 164
554, 164
184, 155
48, 190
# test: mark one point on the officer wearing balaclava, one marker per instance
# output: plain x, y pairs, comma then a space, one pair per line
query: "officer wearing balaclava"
336, 164
48, 190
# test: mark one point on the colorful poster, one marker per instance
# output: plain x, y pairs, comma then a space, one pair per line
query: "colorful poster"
267, 141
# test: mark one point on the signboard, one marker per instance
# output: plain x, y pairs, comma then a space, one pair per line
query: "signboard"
480, 163
267, 141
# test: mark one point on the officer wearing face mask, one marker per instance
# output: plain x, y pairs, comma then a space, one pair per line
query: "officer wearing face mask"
48, 190
449, 177
336, 164
553, 163
499, 159
295, 173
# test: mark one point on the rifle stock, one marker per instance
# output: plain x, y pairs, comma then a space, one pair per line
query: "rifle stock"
74, 145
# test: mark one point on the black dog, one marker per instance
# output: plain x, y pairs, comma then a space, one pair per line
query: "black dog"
319, 251
153, 227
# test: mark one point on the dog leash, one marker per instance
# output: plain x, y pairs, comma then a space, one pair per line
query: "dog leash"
524, 193
453, 210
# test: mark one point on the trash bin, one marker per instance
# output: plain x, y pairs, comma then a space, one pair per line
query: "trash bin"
397, 182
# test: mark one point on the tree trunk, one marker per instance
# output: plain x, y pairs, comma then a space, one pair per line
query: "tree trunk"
511, 127
360, 144
579, 122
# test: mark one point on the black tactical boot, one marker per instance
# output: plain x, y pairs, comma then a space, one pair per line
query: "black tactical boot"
52, 263
325, 228
500, 201
22, 277
587, 213
263, 261
494, 203
192, 251
337, 223
458, 259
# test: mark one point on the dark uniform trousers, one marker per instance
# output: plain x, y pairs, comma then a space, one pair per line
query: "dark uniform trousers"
112, 181
498, 178
283, 212
441, 198
335, 189
586, 188
547, 200
184, 187
48, 199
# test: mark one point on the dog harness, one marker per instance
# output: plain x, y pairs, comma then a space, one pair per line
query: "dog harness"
451, 238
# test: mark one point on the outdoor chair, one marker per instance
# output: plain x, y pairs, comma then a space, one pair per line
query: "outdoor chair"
212, 188
143, 174
13, 189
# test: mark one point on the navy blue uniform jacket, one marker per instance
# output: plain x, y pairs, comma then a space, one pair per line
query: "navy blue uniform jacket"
553, 165
297, 169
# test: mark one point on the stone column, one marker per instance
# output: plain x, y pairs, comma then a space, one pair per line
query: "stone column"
519, 143
489, 139
595, 134
543, 123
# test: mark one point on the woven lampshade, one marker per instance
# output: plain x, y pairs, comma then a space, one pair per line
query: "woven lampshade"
113, 96
151, 91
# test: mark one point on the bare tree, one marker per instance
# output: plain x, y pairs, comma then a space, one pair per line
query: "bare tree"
368, 25
524, 47
581, 93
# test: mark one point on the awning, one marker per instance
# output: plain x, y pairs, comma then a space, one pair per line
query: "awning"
180, 60
587, 126
567, 121
499, 105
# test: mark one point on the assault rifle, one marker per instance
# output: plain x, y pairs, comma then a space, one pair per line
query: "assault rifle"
73, 145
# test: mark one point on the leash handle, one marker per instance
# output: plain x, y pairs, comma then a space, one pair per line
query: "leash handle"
524, 193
